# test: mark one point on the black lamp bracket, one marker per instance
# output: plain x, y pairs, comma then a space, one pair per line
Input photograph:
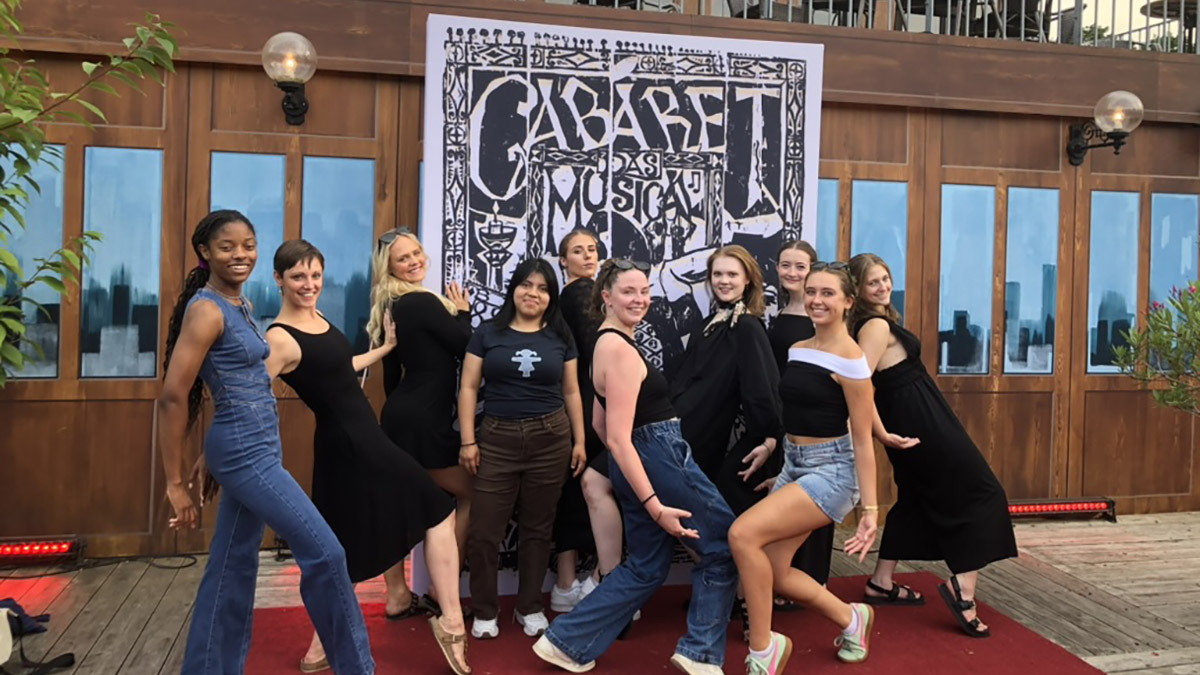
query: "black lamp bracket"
295, 106
1081, 134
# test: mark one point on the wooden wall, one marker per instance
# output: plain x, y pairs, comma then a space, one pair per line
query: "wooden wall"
78, 455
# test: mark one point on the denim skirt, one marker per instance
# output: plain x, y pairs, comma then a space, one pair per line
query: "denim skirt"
825, 471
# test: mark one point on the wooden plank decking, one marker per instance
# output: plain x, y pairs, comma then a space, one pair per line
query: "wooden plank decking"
1125, 597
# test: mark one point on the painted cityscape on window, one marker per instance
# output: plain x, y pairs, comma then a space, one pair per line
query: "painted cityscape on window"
1031, 280
1112, 276
254, 185
122, 201
41, 236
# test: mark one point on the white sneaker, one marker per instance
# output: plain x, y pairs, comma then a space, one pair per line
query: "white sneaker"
547, 652
535, 624
695, 667
565, 601
485, 629
587, 586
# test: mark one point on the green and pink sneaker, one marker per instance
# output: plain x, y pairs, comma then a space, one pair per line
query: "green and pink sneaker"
856, 647
781, 651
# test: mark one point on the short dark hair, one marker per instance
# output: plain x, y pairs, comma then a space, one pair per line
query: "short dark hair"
295, 251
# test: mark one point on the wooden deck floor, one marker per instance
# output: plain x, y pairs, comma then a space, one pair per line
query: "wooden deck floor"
1123, 596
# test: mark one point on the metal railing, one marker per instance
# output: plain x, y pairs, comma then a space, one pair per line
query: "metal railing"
1153, 25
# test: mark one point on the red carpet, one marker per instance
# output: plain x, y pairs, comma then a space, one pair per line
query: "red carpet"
923, 640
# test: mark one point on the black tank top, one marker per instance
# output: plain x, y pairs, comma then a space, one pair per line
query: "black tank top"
814, 403
654, 400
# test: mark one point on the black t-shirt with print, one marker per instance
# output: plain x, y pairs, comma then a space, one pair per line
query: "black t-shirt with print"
522, 372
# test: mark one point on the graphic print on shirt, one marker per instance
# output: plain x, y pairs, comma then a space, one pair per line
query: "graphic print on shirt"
526, 357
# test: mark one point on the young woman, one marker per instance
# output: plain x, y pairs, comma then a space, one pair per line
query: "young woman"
949, 504
420, 377
598, 522
212, 334
532, 430
826, 382
376, 497
790, 326
728, 372
659, 486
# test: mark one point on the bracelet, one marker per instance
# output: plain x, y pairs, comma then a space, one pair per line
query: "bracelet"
467, 445
652, 496
871, 508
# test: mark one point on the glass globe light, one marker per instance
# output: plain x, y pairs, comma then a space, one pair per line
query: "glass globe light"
289, 57
1119, 112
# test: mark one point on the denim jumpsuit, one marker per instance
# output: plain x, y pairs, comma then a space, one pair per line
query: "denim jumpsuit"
243, 453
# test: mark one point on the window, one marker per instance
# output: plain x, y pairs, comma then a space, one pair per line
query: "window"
122, 200
1031, 280
965, 280
1174, 225
827, 218
339, 218
1112, 275
254, 185
879, 225
42, 235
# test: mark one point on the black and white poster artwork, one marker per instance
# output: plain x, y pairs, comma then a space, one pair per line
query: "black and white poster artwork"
666, 146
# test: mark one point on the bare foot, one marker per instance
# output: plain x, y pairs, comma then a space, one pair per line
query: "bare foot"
316, 651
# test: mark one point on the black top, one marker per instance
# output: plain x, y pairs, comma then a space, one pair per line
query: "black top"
420, 377
785, 331
522, 372
814, 404
726, 374
574, 301
653, 401
911, 343
376, 498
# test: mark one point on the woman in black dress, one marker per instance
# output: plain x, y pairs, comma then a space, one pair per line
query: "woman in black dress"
420, 376
375, 497
790, 326
949, 506
587, 511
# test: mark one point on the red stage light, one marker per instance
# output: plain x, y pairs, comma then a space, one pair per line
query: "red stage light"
18, 552
1087, 506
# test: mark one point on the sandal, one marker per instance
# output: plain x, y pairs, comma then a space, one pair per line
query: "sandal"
314, 666
783, 604
415, 608
744, 615
892, 597
446, 642
958, 607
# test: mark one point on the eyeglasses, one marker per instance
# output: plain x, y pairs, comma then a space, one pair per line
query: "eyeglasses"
624, 264
833, 265
388, 237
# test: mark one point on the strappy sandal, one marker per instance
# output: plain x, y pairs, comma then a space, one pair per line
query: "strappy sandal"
892, 597
958, 608
744, 615
446, 642
415, 608
783, 604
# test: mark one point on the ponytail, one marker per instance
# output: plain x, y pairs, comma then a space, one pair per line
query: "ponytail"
196, 279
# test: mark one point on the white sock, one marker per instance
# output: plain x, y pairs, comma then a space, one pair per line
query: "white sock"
853, 627
766, 654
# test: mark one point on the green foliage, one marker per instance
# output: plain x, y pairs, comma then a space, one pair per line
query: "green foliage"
1166, 352
26, 101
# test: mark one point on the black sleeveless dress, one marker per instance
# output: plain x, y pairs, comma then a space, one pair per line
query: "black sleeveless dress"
572, 526
949, 506
375, 496
815, 555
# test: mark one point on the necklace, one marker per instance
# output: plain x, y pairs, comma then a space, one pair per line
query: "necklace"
230, 298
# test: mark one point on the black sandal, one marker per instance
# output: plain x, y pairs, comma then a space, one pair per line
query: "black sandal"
744, 614
415, 608
892, 597
958, 607
783, 604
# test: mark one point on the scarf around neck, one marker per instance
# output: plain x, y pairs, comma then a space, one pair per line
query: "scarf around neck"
726, 313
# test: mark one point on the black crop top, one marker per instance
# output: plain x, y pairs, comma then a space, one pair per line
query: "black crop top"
654, 399
813, 402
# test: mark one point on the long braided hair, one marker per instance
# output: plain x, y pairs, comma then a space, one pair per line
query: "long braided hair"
208, 228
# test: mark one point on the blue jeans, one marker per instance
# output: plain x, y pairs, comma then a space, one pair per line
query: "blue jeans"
587, 631
242, 452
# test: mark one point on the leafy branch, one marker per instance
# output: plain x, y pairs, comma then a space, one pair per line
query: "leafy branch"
1166, 352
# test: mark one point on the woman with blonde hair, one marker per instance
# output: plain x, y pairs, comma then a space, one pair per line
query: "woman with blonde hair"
420, 377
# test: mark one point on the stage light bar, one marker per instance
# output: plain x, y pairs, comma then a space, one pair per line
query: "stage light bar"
39, 551
1080, 507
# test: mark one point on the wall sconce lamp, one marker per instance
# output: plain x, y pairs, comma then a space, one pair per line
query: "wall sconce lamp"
290, 60
1117, 114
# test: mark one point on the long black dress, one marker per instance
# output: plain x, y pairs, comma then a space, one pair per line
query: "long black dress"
949, 505
420, 377
375, 497
725, 376
815, 555
572, 526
